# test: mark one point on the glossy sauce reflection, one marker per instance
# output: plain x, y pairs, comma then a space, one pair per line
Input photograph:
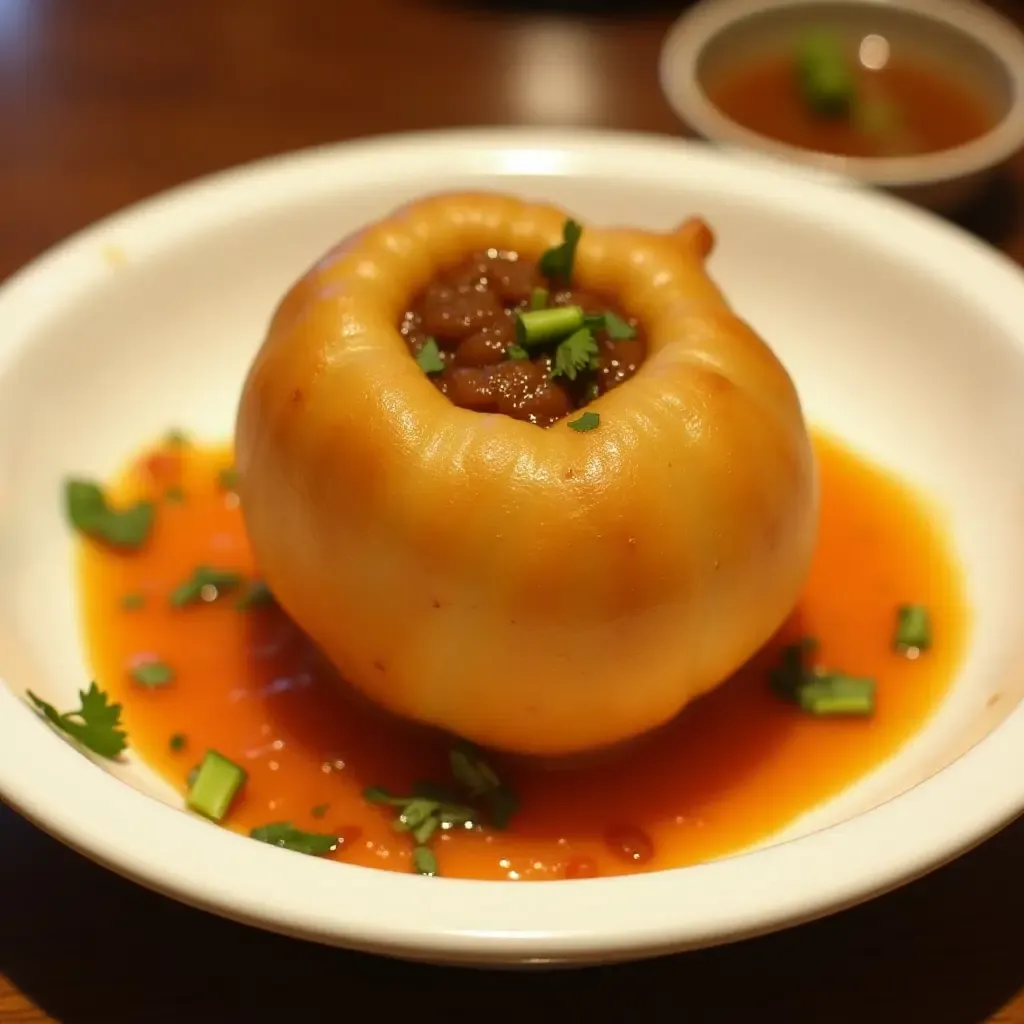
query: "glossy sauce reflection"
735, 767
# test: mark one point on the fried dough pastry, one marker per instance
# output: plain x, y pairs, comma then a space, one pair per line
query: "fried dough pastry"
537, 590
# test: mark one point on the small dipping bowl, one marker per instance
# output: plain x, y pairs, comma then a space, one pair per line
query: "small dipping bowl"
964, 43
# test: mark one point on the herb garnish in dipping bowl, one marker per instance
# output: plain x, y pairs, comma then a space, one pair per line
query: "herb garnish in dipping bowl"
923, 97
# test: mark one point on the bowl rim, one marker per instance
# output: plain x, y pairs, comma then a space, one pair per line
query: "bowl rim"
690, 35
460, 921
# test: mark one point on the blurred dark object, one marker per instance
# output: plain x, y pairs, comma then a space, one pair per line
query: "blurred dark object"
620, 9
994, 216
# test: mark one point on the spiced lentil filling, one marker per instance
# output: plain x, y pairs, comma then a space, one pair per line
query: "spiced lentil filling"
487, 333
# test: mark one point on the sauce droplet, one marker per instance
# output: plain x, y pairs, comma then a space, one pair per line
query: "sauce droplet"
347, 835
630, 844
581, 867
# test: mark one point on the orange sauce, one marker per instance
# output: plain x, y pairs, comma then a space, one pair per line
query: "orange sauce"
934, 111
736, 766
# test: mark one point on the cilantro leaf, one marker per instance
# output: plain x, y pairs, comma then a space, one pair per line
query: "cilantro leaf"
558, 261
432, 807
482, 783
90, 514
429, 357
575, 355
503, 805
96, 723
587, 421
288, 837
471, 771
617, 328
612, 324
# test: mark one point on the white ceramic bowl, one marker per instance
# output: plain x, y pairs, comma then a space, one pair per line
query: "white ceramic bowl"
967, 40
904, 337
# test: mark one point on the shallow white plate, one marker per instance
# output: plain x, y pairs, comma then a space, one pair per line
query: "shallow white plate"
904, 337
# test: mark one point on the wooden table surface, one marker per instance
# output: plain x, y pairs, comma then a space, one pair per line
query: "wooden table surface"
103, 102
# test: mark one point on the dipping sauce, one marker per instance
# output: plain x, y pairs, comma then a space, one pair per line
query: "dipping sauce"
901, 108
234, 675
463, 331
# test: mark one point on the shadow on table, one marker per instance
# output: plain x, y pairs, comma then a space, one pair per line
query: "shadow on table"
88, 948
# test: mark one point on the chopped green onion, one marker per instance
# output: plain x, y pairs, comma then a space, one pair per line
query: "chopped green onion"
837, 694
429, 357
89, 513
227, 478
175, 495
541, 326
194, 589
320, 810
556, 264
215, 786
913, 628
178, 742
424, 862
288, 837
516, 352
825, 75
132, 602
816, 691
152, 674
793, 669
587, 421
539, 298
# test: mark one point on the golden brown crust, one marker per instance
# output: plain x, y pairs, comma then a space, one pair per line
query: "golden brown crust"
544, 591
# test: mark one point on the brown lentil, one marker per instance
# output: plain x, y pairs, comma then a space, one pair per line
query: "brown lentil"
469, 310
